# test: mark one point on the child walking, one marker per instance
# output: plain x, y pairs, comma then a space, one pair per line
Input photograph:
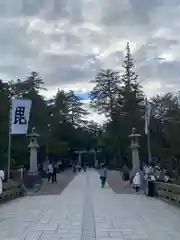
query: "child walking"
137, 182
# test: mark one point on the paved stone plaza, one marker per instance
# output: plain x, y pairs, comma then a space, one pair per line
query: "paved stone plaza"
84, 211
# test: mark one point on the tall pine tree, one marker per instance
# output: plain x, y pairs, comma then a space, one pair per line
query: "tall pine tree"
76, 110
105, 92
131, 94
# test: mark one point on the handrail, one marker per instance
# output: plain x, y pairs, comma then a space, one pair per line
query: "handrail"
11, 190
168, 191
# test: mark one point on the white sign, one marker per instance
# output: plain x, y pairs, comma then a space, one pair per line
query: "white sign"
20, 116
147, 116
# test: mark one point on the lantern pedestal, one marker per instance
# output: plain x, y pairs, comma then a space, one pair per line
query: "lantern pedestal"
32, 176
135, 152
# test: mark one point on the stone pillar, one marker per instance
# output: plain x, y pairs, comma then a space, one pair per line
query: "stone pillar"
31, 178
33, 150
135, 151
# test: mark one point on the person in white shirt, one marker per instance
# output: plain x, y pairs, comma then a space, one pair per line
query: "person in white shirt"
50, 172
1, 180
137, 182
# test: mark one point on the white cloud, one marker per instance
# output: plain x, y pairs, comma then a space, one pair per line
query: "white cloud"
68, 41
93, 116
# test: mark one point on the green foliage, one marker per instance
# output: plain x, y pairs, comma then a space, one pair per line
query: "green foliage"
62, 120
4, 116
76, 112
59, 121
124, 105
105, 93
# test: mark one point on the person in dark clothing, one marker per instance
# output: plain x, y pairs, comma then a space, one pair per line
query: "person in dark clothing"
54, 175
103, 175
151, 186
84, 166
125, 174
74, 167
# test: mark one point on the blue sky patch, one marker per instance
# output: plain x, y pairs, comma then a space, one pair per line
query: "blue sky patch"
83, 95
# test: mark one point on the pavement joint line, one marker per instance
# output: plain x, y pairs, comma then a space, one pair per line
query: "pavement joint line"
35, 222
88, 226
87, 212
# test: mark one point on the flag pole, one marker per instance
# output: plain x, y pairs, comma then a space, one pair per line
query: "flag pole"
9, 155
9, 144
147, 132
149, 146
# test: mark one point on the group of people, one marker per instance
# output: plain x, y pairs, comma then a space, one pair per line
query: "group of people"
52, 173
148, 185
141, 179
79, 166
102, 171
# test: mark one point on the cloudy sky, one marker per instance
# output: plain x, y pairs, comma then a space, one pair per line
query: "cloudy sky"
68, 41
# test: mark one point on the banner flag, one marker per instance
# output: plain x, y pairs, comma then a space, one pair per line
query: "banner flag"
20, 113
147, 116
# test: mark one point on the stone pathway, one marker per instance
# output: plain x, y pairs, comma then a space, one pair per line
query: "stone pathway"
84, 211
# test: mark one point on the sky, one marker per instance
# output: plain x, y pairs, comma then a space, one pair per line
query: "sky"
68, 41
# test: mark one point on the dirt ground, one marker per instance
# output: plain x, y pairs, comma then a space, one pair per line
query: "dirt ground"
63, 179
118, 186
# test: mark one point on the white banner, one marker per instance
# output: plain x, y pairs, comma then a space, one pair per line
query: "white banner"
147, 116
20, 113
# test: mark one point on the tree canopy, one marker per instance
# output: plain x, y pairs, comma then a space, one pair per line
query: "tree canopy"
120, 97
62, 121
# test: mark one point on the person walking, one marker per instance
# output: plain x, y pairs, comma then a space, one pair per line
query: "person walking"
50, 172
74, 167
137, 182
151, 186
54, 174
1, 180
125, 176
103, 175
79, 166
84, 166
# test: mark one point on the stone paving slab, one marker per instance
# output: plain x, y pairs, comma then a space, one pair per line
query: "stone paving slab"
45, 217
131, 216
84, 211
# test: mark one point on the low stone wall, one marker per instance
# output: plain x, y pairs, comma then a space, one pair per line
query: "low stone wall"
11, 190
24, 177
17, 175
168, 191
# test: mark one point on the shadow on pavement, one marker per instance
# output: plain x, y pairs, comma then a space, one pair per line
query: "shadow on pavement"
63, 179
117, 185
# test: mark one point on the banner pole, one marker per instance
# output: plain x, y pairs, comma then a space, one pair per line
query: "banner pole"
9, 155
149, 146
9, 144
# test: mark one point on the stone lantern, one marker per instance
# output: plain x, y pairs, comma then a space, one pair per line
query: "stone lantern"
135, 150
33, 145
